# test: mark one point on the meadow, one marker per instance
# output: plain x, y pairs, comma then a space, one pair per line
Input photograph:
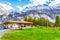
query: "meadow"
33, 34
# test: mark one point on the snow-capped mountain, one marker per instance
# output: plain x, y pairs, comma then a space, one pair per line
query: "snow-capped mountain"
44, 11
5, 10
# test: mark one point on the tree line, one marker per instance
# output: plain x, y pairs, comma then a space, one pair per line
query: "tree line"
39, 21
43, 22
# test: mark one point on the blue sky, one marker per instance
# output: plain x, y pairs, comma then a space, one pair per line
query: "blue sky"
16, 2
21, 4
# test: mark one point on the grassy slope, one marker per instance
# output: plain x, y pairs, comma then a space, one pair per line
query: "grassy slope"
33, 34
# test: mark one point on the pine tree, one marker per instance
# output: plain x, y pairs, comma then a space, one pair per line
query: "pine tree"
29, 19
25, 19
57, 22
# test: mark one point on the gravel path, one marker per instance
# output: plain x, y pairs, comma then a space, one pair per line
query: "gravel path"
2, 32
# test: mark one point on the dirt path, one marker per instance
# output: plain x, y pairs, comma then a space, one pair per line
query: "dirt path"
2, 32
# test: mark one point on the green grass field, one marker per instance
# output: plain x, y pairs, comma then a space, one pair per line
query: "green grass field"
33, 34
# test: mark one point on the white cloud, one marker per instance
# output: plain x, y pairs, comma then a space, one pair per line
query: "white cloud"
22, 8
29, 5
41, 2
38, 2
18, 7
19, 0
33, 3
54, 2
5, 8
8, 3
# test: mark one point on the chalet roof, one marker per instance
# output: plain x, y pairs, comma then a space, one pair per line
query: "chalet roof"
17, 22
